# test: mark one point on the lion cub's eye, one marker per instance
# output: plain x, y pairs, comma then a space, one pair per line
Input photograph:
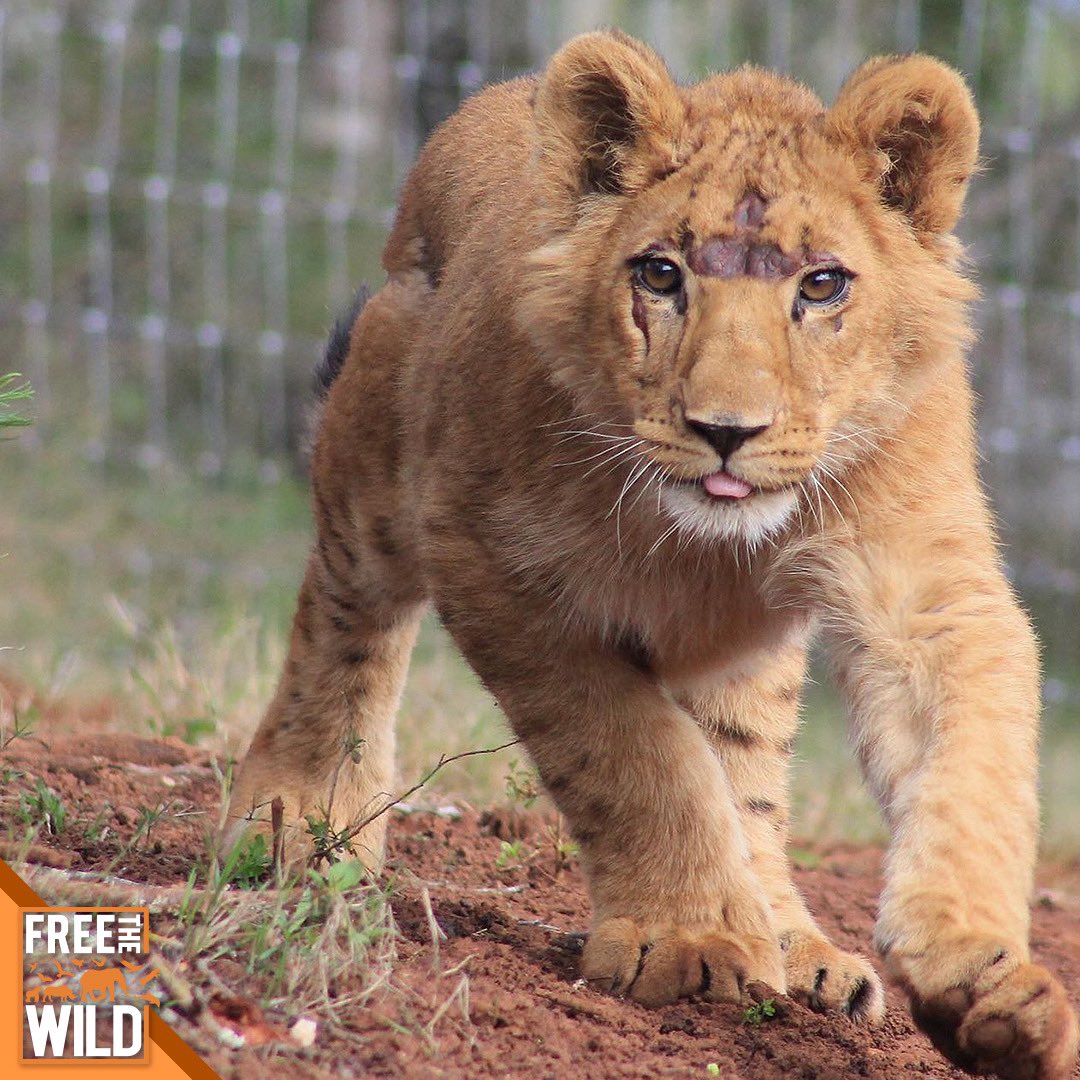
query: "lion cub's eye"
824, 286
659, 275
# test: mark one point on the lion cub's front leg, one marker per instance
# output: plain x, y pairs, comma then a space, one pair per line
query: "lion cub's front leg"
751, 720
942, 676
677, 908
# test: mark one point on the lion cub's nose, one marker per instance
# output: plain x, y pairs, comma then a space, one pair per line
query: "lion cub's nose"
725, 439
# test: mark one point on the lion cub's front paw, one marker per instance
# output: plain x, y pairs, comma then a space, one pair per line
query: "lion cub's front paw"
283, 829
315, 820
1010, 1019
658, 965
828, 979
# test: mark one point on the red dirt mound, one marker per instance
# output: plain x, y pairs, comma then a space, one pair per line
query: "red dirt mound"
483, 896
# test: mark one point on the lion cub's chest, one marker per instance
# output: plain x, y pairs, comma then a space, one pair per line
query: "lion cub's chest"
690, 626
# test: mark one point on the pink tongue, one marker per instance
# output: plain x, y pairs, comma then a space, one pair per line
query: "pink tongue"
724, 485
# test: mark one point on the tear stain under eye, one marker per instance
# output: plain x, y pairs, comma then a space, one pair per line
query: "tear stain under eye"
637, 309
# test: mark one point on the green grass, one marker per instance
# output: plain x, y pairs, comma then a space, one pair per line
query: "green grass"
42, 810
12, 393
299, 933
172, 598
759, 1013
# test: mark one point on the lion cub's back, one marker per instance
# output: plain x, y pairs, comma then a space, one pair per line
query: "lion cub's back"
475, 160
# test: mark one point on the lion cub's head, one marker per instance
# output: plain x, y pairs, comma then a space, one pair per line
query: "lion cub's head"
754, 287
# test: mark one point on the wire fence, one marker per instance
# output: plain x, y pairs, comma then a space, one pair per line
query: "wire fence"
191, 189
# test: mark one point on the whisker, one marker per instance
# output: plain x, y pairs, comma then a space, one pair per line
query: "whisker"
665, 475
633, 476
832, 502
569, 436
870, 444
568, 420
614, 455
656, 546
812, 494
840, 484
604, 452
819, 491
655, 469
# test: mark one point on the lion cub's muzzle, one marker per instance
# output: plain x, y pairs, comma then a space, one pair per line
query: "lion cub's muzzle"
725, 438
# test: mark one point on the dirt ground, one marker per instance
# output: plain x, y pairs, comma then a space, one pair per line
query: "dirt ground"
485, 981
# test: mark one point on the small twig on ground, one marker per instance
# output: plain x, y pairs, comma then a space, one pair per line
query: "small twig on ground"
443, 761
277, 832
436, 931
459, 993
577, 1005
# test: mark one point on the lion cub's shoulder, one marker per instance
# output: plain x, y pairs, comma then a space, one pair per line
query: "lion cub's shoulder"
463, 168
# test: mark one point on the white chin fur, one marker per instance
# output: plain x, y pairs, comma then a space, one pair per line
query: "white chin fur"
748, 521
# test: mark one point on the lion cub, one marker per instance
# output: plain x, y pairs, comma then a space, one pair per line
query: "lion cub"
663, 381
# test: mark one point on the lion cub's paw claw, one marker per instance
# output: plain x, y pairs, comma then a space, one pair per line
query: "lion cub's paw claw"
829, 980
1020, 1027
658, 967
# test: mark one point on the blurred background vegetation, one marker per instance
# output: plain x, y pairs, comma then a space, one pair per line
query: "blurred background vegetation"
191, 189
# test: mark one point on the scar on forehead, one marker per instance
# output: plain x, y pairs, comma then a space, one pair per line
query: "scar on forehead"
750, 212
738, 257
743, 253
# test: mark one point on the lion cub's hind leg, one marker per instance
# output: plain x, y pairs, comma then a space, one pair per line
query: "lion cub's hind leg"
751, 722
325, 746
326, 743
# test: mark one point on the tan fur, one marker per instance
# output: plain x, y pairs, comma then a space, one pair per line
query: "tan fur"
510, 438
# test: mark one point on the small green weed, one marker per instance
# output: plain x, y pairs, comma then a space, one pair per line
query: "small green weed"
329, 845
566, 850
522, 784
249, 863
759, 1013
321, 937
148, 817
97, 829
317, 930
512, 854
43, 809
22, 727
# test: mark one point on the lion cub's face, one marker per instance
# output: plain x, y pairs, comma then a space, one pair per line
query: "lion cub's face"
733, 283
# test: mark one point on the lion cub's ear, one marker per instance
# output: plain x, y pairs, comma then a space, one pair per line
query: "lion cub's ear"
913, 123
608, 117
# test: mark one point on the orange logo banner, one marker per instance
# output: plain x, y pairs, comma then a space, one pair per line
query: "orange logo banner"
101, 990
